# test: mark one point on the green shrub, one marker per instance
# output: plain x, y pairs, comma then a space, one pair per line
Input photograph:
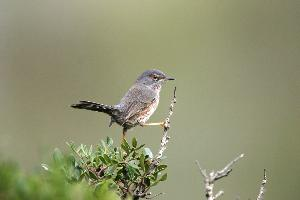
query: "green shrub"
104, 172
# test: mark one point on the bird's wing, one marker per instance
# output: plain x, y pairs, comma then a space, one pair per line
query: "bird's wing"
136, 108
137, 99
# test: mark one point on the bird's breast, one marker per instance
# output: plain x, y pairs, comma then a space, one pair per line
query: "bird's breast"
144, 117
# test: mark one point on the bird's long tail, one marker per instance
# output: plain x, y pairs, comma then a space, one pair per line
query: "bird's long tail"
88, 105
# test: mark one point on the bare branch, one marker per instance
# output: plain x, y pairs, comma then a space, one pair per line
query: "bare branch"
227, 169
203, 171
165, 138
262, 187
142, 191
220, 193
212, 177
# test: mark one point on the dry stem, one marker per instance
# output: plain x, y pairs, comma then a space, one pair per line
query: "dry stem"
261, 193
163, 146
212, 177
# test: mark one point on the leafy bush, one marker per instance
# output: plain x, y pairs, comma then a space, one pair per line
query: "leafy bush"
15, 185
104, 172
131, 169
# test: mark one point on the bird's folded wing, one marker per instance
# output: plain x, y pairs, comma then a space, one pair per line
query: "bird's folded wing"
138, 99
136, 108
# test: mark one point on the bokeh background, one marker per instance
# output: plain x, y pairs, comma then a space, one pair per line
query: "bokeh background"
237, 65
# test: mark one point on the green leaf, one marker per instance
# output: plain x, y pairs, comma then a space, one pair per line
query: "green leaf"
120, 154
132, 172
134, 142
75, 174
109, 141
113, 161
147, 165
139, 147
71, 145
148, 152
125, 146
111, 170
164, 177
92, 175
107, 189
161, 168
154, 177
133, 164
102, 160
142, 161
57, 155
107, 159
82, 149
91, 150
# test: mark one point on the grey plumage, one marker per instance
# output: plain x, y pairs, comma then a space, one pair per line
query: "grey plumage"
89, 105
137, 105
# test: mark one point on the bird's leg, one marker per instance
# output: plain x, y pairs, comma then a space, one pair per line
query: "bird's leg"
123, 134
154, 124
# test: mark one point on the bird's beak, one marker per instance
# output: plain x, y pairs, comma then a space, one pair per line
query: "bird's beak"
170, 78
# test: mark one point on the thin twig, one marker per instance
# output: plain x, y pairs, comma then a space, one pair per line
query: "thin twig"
165, 138
212, 177
220, 193
261, 193
141, 191
227, 169
203, 171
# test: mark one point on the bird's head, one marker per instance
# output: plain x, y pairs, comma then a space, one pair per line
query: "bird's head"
153, 78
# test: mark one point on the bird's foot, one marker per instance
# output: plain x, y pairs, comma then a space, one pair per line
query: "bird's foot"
162, 124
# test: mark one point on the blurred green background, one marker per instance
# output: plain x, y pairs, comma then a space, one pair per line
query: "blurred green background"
237, 69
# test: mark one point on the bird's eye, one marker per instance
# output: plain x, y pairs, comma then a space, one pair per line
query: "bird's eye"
155, 77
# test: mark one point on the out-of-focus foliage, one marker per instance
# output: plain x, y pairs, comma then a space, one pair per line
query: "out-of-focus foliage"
104, 172
51, 184
131, 168
15, 185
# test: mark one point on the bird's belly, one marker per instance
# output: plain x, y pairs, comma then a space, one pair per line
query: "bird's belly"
148, 112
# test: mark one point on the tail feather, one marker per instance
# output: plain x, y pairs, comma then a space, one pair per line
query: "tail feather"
88, 105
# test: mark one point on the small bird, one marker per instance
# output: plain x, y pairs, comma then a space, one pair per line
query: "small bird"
137, 105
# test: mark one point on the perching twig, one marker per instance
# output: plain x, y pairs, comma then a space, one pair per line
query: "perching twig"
209, 179
262, 187
165, 138
142, 192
